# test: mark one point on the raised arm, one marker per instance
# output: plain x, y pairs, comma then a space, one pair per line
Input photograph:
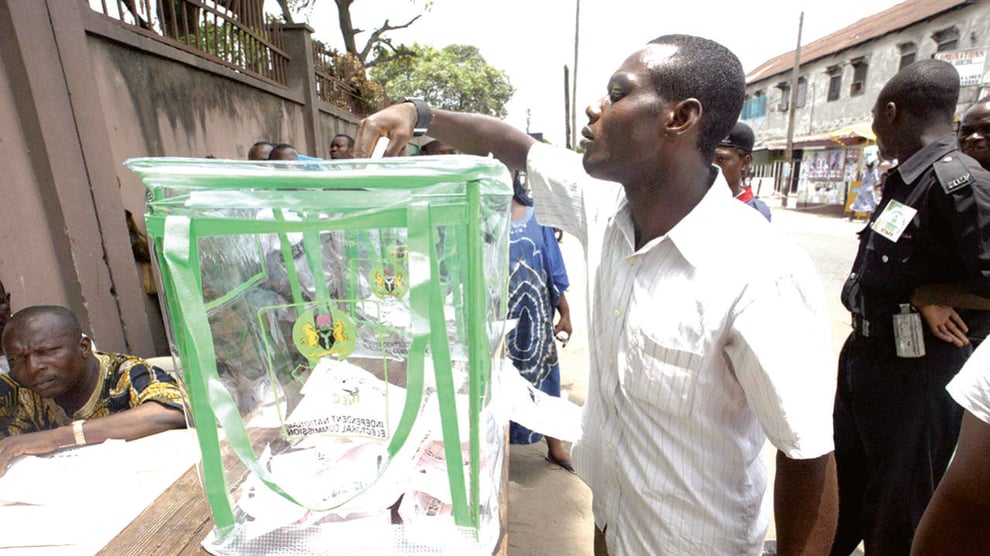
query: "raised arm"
144, 420
806, 504
468, 133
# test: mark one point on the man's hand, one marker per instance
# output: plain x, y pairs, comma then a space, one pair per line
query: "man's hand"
33, 444
395, 122
945, 324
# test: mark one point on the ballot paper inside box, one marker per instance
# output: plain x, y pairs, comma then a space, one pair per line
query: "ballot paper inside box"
340, 322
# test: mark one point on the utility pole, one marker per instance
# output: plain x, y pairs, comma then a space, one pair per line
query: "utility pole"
568, 138
577, 34
791, 109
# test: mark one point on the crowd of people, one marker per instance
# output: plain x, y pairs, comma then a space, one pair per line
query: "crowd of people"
702, 352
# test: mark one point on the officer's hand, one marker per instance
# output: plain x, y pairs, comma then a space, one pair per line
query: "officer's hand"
945, 324
395, 122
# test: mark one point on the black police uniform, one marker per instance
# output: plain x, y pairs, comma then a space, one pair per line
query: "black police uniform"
895, 426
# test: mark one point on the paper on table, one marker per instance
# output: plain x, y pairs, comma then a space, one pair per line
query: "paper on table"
91, 493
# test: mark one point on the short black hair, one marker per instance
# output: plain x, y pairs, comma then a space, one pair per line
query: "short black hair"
262, 144
927, 90
280, 148
705, 70
350, 140
67, 319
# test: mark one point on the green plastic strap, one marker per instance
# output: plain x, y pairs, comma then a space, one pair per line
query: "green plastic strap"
201, 360
479, 356
446, 394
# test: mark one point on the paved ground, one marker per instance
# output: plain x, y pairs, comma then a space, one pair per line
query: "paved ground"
549, 508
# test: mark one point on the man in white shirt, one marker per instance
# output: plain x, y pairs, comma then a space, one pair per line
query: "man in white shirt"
701, 350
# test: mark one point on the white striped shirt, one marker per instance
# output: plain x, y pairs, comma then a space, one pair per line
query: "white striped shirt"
704, 342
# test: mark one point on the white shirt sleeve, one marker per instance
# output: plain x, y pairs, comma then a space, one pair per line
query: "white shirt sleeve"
971, 386
780, 350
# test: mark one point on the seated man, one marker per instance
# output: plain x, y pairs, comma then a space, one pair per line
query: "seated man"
62, 393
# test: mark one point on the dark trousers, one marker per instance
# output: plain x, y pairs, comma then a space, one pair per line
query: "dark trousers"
895, 431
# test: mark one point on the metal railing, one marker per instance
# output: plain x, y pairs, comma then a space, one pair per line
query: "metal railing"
230, 32
331, 88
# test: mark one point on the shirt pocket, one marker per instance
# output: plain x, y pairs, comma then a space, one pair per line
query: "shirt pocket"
662, 375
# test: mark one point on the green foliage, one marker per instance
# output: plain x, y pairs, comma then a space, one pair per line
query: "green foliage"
454, 78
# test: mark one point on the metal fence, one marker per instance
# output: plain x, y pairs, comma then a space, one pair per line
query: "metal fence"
230, 32
331, 88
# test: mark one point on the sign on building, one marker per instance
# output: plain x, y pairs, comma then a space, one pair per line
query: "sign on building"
969, 64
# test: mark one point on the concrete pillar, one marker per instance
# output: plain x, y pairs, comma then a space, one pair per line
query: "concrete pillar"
44, 50
302, 79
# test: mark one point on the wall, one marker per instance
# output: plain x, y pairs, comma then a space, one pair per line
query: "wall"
80, 94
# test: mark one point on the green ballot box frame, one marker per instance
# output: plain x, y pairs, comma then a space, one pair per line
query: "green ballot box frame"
190, 200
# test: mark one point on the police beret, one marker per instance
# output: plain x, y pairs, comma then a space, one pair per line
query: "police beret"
741, 137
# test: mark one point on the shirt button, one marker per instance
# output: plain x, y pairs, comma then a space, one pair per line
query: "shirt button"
617, 313
885, 258
611, 361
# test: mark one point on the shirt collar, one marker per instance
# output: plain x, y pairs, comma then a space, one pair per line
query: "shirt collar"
692, 235
911, 169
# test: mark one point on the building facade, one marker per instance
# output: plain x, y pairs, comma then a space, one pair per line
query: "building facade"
839, 79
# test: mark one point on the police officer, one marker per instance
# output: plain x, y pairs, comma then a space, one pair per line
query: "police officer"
895, 426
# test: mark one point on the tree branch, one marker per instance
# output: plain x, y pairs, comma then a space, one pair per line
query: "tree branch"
376, 37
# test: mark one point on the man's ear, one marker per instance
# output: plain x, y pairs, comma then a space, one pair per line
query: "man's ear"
684, 116
889, 111
747, 159
86, 346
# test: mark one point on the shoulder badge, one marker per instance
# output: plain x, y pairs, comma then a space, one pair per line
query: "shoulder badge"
952, 173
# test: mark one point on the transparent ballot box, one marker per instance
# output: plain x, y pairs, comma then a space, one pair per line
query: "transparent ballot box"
338, 326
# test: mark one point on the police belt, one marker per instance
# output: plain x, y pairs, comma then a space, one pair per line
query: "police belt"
880, 327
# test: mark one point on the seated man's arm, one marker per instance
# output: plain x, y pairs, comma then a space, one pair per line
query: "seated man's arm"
143, 420
806, 504
956, 519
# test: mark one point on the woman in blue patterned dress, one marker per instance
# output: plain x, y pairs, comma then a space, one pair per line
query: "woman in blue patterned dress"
537, 280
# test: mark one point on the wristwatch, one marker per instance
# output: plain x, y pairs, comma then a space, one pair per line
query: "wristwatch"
423, 115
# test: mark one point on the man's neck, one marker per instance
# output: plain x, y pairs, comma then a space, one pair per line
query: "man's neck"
657, 206
72, 401
926, 136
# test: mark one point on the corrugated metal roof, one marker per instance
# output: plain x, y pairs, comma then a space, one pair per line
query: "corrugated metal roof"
892, 19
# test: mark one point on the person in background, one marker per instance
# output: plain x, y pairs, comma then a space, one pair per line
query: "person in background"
436, 147
866, 197
974, 132
690, 372
341, 147
733, 155
537, 281
260, 150
957, 520
60, 392
895, 425
283, 151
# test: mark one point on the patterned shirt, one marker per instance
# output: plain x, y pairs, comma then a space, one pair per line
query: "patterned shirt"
700, 351
125, 381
